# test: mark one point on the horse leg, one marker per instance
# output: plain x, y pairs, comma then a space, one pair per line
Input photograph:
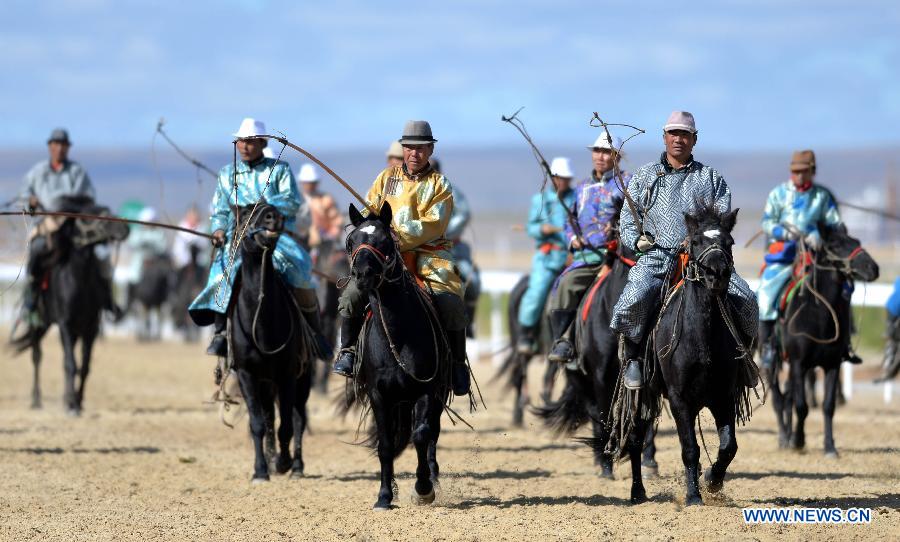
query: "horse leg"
779, 404
549, 380
601, 435
424, 489
385, 431
87, 348
301, 396
69, 369
252, 398
36, 384
267, 403
810, 383
635, 447
649, 466
723, 412
690, 450
286, 399
828, 404
520, 383
798, 390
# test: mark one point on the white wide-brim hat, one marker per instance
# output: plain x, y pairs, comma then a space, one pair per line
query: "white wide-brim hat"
602, 142
308, 174
560, 167
250, 127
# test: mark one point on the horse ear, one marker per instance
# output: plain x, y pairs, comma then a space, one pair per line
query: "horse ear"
691, 223
730, 219
356, 218
386, 214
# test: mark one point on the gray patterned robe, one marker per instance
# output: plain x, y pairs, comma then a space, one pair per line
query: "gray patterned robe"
663, 195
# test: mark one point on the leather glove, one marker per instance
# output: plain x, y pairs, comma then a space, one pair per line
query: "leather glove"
645, 242
218, 238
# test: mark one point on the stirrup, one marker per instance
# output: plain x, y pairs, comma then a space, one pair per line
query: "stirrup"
345, 361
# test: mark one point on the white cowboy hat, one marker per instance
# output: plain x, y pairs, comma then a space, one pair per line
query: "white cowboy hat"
250, 127
308, 174
560, 167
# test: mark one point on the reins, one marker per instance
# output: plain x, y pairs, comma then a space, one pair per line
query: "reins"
259, 303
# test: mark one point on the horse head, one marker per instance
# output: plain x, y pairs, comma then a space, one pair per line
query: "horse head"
371, 247
264, 227
846, 253
709, 245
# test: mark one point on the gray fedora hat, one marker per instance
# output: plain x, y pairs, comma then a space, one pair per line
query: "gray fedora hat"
60, 135
416, 132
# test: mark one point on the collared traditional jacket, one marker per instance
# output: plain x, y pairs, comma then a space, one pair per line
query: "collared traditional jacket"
595, 209
421, 205
546, 208
663, 196
49, 186
789, 212
289, 259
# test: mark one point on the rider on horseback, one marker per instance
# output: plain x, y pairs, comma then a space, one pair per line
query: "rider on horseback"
793, 212
664, 191
46, 186
595, 209
255, 178
546, 224
422, 200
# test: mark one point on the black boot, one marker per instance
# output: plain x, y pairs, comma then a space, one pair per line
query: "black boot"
527, 344
309, 307
350, 328
632, 379
218, 346
461, 381
767, 345
560, 321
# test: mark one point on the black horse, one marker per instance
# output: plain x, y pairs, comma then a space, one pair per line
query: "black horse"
591, 379
813, 328
151, 293
331, 261
271, 345
72, 295
697, 355
515, 365
404, 367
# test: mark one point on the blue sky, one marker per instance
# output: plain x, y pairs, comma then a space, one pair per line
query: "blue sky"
758, 75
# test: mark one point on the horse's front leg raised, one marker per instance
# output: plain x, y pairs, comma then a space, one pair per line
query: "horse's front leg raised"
422, 437
690, 451
252, 398
832, 385
382, 411
724, 416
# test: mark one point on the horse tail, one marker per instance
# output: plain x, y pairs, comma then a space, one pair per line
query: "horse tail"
515, 364
402, 423
565, 415
28, 340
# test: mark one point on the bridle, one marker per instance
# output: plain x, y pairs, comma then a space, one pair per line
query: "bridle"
387, 263
695, 270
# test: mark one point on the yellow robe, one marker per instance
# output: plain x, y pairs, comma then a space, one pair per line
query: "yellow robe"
421, 207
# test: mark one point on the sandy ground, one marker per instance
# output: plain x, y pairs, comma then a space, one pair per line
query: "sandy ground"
150, 461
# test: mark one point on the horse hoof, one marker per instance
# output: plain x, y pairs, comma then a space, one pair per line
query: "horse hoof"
649, 471
783, 443
259, 479
712, 485
421, 500
73, 412
382, 507
831, 454
282, 467
296, 474
606, 475
693, 501
36, 405
638, 497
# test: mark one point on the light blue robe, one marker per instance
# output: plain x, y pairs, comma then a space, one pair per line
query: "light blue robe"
290, 260
802, 211
545, 265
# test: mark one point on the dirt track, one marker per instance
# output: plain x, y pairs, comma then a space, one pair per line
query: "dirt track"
150, 461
